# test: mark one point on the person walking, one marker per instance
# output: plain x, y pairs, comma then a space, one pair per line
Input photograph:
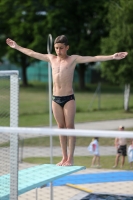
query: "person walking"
93, 148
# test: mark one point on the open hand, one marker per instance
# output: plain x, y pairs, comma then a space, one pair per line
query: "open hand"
11, 43
121, 55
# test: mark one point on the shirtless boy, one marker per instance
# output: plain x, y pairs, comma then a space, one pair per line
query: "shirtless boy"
63, 102
121, 147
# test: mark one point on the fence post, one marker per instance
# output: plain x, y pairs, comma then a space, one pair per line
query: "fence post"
14, 92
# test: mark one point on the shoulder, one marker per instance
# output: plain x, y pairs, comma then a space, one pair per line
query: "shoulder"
74, 57
81, 59
51, 57
94, 142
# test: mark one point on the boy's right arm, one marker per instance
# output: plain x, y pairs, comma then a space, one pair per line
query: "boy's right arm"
116, 142
26, 51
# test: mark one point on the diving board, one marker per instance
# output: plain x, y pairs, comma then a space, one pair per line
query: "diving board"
35, 177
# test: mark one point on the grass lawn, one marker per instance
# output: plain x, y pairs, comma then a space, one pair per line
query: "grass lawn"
34, 112
34, 105
106, 161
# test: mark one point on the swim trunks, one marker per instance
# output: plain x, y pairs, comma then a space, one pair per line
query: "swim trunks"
63, 100
122, 150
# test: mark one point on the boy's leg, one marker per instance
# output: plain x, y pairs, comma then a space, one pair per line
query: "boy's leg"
116, 160
93, 161
98, 160
122, 161
60, 120
69, 114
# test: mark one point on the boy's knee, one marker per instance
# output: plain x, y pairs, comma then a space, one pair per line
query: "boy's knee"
70, 125
61, 126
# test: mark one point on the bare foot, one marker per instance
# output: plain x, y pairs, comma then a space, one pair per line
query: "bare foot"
62, 162
68, 163
114, 166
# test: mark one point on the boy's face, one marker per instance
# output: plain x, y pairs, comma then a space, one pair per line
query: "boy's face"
61, 49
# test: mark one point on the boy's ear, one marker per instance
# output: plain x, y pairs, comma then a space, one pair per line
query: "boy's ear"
67, 47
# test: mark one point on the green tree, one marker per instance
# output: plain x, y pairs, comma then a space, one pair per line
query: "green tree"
23, 22
82, 22
120, 26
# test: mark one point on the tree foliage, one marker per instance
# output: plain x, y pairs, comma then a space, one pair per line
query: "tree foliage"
23, 21
120, 26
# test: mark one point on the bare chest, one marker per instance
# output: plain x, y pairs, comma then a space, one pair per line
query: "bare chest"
64, 67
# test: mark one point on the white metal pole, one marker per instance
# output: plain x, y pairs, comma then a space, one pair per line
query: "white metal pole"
99, 95
50, 110
49, 49
14, 93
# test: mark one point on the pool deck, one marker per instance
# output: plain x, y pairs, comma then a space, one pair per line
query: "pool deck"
69, 193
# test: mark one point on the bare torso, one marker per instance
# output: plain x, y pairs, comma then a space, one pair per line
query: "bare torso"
122, 141
62, 74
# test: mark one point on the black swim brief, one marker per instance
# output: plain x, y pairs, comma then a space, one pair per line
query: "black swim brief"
63, 99
122, 150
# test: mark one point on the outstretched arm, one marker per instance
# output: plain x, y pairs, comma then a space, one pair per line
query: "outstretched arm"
116, 56
26, 51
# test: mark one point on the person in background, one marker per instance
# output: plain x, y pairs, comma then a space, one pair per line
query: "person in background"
121, 147
130, 154
94, 149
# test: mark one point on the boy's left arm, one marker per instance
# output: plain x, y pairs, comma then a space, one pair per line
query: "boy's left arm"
86, 59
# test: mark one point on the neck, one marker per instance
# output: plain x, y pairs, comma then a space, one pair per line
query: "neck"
63, 57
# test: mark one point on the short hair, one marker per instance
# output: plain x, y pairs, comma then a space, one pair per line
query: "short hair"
61, 39
121, 127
